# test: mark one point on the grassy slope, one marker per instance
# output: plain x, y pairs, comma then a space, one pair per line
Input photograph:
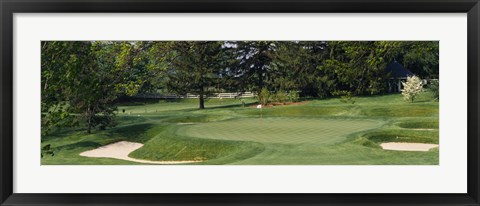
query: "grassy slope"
156, 125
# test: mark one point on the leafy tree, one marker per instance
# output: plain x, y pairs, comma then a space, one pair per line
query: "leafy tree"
412, 88
86, 77
83, 80
58, 61
359, 67
194, 67
252, 65
420, 57
295, 67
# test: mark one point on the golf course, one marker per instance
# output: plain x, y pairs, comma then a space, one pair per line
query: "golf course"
316, 132
240, 103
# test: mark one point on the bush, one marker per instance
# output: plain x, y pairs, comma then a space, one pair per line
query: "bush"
281, 96
434, 87
412, 88
47, 150
264, 96
293, 96
345, 96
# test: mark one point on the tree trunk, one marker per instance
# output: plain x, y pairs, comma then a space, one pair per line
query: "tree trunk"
260, 79
89, 117
202, 101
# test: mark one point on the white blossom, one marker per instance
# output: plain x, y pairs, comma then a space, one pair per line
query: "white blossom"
412, 88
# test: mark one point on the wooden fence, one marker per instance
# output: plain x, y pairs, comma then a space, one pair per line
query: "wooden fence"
191, 96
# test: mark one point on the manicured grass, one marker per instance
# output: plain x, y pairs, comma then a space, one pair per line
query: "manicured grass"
166, 145
280, 130
316, 132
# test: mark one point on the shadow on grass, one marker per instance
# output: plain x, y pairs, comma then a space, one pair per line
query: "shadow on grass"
227, 106
230, 106
64, 132
135, 133
86, 144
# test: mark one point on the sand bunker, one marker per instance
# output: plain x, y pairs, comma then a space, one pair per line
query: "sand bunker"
403, 146
120, 150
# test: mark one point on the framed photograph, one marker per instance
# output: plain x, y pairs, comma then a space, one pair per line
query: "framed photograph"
238, 102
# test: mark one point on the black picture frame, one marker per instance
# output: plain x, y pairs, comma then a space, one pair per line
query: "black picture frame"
10, 7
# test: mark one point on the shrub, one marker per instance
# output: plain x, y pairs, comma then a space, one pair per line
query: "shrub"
434, 88
47, 150
264, 96
281, 96
345, 96
293, 96
412, 88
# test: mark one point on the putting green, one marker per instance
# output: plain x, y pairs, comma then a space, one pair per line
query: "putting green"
279, 130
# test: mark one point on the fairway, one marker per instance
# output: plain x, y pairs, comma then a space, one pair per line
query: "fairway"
280, 130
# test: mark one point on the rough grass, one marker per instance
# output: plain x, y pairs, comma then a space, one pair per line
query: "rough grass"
433, 124
403, 136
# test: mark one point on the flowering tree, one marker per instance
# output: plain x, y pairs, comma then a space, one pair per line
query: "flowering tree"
412, 88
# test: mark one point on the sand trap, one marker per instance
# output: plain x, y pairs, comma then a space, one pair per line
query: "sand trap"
403, 146
120, 150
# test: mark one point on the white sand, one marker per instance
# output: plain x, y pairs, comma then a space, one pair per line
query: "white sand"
403, 146
120, 150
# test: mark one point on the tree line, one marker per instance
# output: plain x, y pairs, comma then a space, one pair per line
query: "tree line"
82, 80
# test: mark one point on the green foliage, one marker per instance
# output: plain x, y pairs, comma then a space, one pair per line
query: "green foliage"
293, 96
55, 117
47, 150
281, 96
434, 87
264, 96
251, 64
195, 67
345, 96
88, 77
420, 57
358, 66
